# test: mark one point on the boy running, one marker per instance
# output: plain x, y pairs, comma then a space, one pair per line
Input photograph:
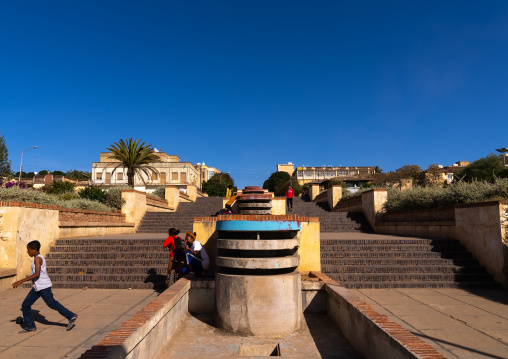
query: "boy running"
41, 288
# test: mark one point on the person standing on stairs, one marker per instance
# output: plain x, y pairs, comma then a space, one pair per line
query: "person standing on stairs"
290, 194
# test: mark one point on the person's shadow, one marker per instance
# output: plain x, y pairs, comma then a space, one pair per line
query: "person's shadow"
39, 318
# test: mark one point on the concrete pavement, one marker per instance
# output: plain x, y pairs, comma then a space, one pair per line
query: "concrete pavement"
100, 311
458, 323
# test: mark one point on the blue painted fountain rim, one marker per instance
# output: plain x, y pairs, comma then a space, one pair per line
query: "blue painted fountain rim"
255, 226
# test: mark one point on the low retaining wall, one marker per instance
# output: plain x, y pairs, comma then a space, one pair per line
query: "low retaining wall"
373, 335
149, 330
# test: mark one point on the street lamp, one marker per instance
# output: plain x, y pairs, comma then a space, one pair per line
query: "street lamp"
21, 164
503, 150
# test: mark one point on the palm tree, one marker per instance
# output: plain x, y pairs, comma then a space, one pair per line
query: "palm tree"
135, 157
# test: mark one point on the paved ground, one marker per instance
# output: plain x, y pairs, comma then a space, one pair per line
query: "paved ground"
198, 338
100, 311
458, 323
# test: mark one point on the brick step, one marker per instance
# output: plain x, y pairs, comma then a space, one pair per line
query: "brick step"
400, 262
394, 254
109, 248
416, 284
106, 263
107, 255
392, 248
326, 242
109, 278
109, 285
414, 269
94, 270
409, 277
108, 242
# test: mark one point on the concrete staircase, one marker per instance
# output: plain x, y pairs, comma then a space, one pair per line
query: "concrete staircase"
330, 221
377, 261
160, 222
113, 263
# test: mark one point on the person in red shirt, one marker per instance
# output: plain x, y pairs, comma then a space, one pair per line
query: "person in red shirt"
170, 243
290, 194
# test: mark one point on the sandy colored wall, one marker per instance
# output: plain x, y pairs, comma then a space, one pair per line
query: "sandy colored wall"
309, 251
21, 225
310, 248
279, 206
479, 228
172, 195
134, 207
334, 195
313, 191
207, 235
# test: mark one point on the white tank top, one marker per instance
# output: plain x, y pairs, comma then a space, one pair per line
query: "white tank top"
43, 281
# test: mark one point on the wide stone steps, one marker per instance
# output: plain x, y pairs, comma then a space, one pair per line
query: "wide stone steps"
108, 255
102, 270
182, 219
414, 269
395, 254
402, 262
414, 284
330, 221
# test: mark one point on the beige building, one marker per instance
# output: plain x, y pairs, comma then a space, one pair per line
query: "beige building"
317, 174
289, 168
170, 171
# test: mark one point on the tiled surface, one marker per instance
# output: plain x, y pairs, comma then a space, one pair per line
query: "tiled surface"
458, 323
100, 311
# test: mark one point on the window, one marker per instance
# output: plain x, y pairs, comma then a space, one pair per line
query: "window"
174, 176
320, 174
308, 174
119, 176
330, 174
183, 177
154, 176
98, 175
342, 173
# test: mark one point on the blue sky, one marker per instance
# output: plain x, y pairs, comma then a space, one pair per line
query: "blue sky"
245, 85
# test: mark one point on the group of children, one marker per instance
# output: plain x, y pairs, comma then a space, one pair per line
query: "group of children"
187, 255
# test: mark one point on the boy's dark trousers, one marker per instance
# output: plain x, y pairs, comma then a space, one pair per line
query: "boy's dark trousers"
289, 203
47, 296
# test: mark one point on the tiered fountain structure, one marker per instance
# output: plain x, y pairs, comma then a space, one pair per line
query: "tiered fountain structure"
258, 285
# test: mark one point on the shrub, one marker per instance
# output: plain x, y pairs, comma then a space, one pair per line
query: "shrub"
17, 194
93, 193
159, 193
114, 196
459, 193
59, 187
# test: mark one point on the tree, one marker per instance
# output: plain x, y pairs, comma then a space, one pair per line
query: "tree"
483, 169
217, 185
5, 164
278, 183
135, 156
78, 175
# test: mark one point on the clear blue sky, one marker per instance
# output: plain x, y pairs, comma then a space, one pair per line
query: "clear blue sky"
245, 85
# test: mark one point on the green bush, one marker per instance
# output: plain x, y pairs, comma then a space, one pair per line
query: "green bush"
16, 194
114, 196
459, 193
93, 193
159, 193
60, 187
